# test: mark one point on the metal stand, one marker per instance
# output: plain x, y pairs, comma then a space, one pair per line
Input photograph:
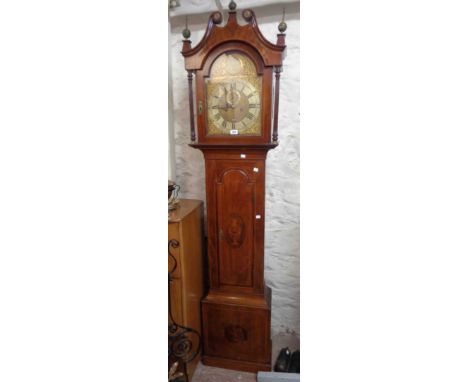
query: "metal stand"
184, 342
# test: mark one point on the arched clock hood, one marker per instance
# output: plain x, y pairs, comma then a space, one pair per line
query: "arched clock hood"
249, 34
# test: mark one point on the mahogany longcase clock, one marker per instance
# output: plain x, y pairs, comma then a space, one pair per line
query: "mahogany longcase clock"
236, 112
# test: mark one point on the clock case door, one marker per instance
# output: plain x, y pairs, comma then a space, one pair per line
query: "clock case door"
266, 97
235, 185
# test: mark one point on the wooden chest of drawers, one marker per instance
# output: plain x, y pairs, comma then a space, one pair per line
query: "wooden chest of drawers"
185, 224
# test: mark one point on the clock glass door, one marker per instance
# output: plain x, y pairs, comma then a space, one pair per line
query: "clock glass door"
233, 96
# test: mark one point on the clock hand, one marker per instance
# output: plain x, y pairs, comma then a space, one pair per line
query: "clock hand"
235, 97
232, 95
228, 104
225, 98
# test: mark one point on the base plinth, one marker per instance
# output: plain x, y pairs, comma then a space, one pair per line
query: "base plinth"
236, 332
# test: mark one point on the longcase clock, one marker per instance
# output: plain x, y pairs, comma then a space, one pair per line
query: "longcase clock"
236, 72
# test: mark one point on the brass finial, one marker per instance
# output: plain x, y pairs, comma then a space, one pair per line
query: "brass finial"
232, 5
247, 14
217, 17
282, 26
186, 32
173, 4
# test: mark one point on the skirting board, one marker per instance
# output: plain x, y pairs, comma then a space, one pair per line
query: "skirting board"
267, 376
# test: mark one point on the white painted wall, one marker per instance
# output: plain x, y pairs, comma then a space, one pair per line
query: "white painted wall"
171, 174
282, 177
192, 7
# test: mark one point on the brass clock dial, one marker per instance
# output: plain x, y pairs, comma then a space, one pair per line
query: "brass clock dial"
233, 97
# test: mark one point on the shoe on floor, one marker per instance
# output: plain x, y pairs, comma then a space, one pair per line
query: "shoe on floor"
282, 362
294, 365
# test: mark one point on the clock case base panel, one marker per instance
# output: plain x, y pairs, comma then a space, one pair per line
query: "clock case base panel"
236, 313
236, 331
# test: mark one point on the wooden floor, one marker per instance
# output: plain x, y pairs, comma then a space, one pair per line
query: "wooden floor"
213, 374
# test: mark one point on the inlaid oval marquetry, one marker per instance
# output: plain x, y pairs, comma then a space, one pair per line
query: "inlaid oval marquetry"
235, 230
235, 333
